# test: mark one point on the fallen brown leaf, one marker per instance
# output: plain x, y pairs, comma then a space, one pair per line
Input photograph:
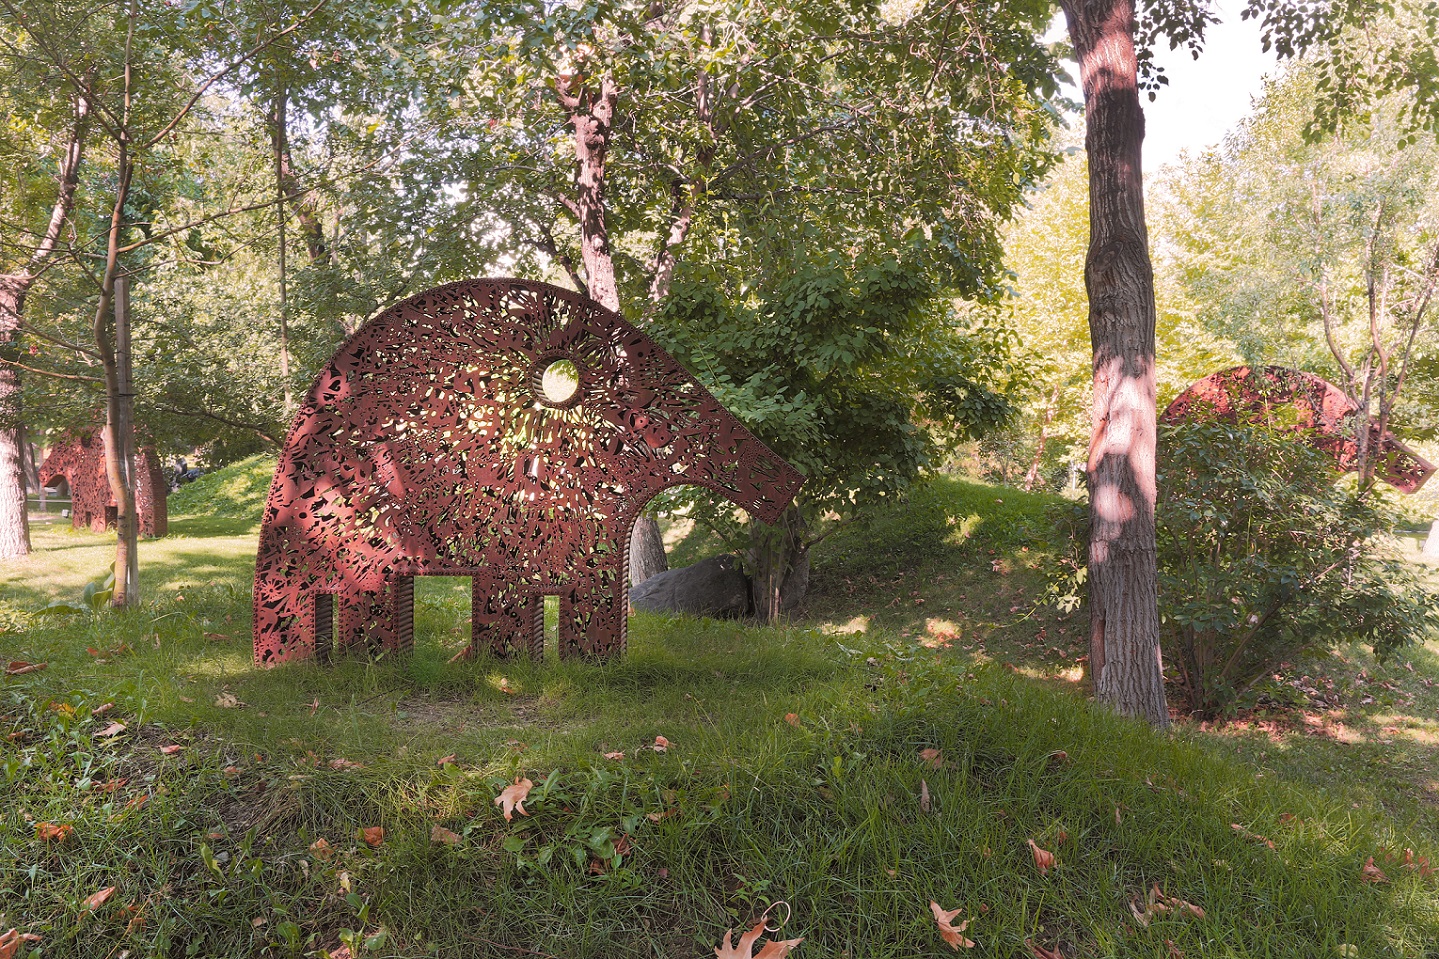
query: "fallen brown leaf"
56, 832
1043, 858
343, 764
96, 900
933, 756
443, 836
322, 849
171, 749
102, 709
1039, 952
615, 755
948, 931
18, 668
512, 798
114, 729
445, 760
372, 835
792, 718
923, 796
775, 949
1372, 873
228, 700
661, 744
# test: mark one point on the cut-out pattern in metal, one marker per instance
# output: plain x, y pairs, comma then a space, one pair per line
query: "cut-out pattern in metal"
80, 461
1313, 407
503, 430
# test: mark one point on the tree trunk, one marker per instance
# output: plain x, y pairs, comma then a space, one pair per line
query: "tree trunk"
647, 550
14, 524
592, 113
778, 566
1031, 477
1124, 656
281, 145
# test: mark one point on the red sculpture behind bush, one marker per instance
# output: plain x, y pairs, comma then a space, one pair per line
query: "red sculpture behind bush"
1314, 408
80, 461
444, 438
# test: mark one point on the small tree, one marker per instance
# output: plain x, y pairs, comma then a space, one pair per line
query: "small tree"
1263, 556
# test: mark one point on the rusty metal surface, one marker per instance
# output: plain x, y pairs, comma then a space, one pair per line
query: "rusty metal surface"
428, 445
1305, 403
80, 460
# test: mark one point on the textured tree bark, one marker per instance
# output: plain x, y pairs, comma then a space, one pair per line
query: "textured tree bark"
1124, 656
592, 111
14, 524
647, 550
778, 564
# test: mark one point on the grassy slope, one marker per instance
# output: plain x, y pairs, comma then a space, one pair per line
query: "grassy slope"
822, 811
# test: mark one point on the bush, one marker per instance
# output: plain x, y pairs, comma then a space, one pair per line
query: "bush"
1263, 556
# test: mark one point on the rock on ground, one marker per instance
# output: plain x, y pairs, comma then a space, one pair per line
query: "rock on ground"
711, 587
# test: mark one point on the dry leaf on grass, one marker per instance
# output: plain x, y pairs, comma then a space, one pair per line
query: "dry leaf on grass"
792, 718
924, 803
96, 900
1174, 952
1252, 836
934, 757
228, 700
322, 849
49, 831
372, 835
11, 940
442, 836
952, 934
615, 755
512, 799
774, 949
661, 744
170, 749
1039, 952
343, 764
1159, 903
445, 760
18, 668
102, 709
114, 729
1043, 858
1371, 872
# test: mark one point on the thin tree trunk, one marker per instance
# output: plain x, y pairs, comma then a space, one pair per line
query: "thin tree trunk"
1031, 477
115, 470
778, 565
281, 147
1124, 654
14, 523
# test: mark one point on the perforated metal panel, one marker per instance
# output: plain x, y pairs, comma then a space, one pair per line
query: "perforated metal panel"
1314, 408
80, 460
434, 443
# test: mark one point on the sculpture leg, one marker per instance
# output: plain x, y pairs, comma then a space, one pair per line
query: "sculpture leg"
507, 621
286, 616
593, 616
381, 623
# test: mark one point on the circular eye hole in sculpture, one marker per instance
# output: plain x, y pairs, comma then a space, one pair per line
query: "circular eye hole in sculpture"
560, 382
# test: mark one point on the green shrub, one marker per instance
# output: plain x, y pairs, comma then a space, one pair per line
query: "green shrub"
1263, 556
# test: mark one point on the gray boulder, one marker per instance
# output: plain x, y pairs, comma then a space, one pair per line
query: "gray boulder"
712, 587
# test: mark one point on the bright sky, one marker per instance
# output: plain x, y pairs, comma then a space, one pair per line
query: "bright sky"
1206, 98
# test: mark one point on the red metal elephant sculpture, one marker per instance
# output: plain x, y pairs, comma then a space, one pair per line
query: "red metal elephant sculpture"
1316, 409
439, 440
80, 461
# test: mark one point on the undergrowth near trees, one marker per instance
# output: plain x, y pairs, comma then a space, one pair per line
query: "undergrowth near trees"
855, 776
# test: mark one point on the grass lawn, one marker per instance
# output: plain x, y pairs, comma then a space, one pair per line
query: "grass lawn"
902, 743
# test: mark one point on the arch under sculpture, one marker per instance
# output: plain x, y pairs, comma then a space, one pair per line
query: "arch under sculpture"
80, 460
433, 443
1318, 410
